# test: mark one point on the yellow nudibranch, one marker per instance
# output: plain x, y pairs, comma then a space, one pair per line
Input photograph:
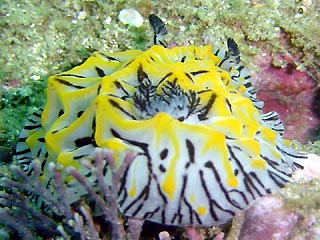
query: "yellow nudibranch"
205, 150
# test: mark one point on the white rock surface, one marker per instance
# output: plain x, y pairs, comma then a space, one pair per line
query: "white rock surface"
131, 17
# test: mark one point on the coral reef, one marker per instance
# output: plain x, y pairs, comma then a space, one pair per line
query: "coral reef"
292, 214
40, 38
54, 217
267, 218
289, 92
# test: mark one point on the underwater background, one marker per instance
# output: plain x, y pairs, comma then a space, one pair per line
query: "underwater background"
278, 41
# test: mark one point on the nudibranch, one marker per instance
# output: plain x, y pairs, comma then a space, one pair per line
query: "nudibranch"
205, 150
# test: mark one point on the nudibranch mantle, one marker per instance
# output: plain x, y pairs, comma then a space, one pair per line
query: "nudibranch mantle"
205, 150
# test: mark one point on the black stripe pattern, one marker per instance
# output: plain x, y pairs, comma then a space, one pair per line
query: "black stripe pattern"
205, 150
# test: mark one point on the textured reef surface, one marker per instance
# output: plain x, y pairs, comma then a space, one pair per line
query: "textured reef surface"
290, 93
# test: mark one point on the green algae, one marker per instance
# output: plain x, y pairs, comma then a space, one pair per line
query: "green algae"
302, 199
16, 104
310, 147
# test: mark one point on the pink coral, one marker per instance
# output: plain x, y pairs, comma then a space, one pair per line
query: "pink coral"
294, 215
266, 219
288, 92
